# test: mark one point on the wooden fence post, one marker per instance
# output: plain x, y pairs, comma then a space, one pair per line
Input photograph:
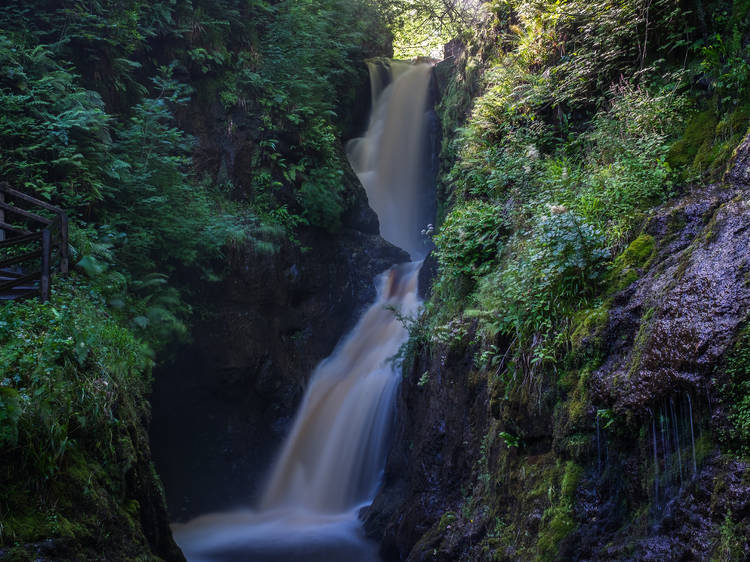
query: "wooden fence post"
2, 214
64, 244
44, 280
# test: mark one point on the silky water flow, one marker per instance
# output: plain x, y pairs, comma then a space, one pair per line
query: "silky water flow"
331, 463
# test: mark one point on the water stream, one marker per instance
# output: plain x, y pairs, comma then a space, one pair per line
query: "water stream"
331, 463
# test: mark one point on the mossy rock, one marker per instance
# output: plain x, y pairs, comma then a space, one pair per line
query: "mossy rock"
571, 479
577, 445
640, 341
558, 520
638, 253
708, 142
588, 327
699, 132
627, 266
447, 518
728, 135
560, 524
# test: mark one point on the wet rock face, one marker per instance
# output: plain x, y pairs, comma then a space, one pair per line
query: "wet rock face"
692, 523
662, 351
441, 418
673, 326
739, 170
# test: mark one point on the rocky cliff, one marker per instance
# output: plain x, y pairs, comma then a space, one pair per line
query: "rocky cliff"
631, 456
223, 406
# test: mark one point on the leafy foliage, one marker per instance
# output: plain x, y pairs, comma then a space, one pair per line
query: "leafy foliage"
544, 280
65, 366
470, 239
54, 134
571, 136
737, 395
94, 121
97, 118
422, 27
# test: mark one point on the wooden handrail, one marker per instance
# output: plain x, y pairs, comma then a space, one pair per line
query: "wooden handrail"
11, 228
53, 234
25, 214
5, 188
22, 258
11, 274
20, 239
10, 284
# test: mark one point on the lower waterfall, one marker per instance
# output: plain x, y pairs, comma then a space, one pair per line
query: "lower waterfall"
331, 462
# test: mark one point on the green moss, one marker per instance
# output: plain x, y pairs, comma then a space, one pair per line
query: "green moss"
576, 407
447, 518
588, 327
708, 142
577, 445
626, 268
571, 479
560, 525
731, 543
638, 253
704, 446
558, 483
641, 338
698, 134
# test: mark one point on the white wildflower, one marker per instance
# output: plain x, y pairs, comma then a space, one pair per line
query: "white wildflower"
557, 209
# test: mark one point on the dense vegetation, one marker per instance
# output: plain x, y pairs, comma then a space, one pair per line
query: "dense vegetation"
566, 124
580, 129
104, 114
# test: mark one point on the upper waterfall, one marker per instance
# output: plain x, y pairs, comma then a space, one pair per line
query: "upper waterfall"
392, 158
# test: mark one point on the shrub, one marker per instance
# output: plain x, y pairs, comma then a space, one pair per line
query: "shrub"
54, 134
64, 365
544, 279
470, 239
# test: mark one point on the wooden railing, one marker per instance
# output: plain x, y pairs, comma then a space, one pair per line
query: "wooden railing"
31, 232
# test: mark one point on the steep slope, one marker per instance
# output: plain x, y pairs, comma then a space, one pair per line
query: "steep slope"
456, 490
577, 386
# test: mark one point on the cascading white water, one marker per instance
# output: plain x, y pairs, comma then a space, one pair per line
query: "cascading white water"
332, 459
331, 462
389, 159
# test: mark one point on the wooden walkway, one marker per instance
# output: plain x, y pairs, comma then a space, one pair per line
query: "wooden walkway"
33, 244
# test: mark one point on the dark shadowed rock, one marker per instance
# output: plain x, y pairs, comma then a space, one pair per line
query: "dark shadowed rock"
442, 416
673, 326
738, 172
427, 275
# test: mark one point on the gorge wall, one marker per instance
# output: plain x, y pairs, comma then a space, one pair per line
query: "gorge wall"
223, 406
625, 451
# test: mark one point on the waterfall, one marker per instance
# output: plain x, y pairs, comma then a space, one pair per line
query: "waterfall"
656, 458
390, 158
333, 457
692, 433
331, 462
